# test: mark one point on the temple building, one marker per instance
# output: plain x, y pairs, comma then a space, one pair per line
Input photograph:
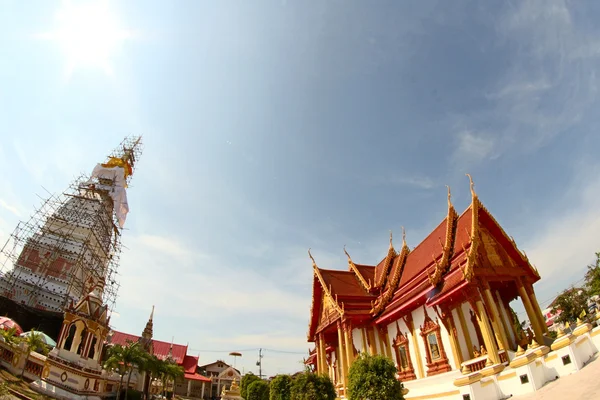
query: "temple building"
441, 307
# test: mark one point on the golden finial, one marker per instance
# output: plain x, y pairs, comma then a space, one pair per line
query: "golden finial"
449, 197
312, 258
472, 185
403, 237
391, 239
348, 255
520, 351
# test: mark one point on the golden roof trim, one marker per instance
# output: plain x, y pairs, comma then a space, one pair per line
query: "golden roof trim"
443, 265
387, 264
468, 269
366, 285
387, 295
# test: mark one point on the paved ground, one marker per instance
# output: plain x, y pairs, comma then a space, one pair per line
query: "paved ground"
584, 384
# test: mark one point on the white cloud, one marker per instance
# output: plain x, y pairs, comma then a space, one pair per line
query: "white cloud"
565, 244
12, 209
473, 146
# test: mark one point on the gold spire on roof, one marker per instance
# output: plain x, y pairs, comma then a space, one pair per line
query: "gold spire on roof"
352, 267
467, 270
403, 237
472, 185
312, 258
447, 246
391, 237
449, 197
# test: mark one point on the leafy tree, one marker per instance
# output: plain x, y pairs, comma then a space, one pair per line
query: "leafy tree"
281, 387
310, 386
171, 372
246, 381
374, 378
33, 341
133, 356
569, 305
153, 367
592, 277
258, 390
114, 363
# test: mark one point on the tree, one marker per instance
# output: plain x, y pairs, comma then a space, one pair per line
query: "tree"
258, 390
310, 386
592, 277
246, 381
373, 378
10, 335
115, 363
133, 356
569, 305
33, 341
153, 367
171, 372
281, 387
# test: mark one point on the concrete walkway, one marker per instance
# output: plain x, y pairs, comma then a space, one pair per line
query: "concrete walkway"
584, 384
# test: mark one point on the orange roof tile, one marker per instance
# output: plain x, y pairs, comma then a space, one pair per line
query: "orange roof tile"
161, 349
342, 283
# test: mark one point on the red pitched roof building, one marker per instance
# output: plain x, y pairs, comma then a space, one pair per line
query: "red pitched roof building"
432, 309
192, 385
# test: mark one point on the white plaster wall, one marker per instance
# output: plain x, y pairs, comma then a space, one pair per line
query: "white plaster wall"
465, 352
392, 332
506, 318
357, 339
466, 308
595, 335
418, 319
555, 366
447, 342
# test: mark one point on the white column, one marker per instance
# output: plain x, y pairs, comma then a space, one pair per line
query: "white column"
202, 393
189, 389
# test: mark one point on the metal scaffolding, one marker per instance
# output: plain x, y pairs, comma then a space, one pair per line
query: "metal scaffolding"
72, 242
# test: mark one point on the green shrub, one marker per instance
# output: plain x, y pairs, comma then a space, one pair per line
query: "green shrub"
258, 390
373, 378
281, 388
246, 381
310, 386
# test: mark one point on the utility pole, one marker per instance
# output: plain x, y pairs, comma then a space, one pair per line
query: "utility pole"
259, 363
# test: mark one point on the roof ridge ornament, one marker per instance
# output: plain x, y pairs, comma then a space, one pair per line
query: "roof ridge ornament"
472, 185
365, 284
403, 237
391, 237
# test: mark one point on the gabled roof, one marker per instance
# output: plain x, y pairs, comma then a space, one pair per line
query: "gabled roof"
161, 349
457, 250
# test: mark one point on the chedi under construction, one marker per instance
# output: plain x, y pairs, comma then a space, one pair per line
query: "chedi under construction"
69, 245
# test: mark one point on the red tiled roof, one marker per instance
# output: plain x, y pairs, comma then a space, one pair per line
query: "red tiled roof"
421, 256
190, 363
367, 272
343, 283
196, 377
161, 349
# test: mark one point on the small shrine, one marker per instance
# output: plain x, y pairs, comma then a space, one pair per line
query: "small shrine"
233, 393
73, 368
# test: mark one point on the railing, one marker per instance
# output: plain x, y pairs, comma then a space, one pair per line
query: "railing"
479, 363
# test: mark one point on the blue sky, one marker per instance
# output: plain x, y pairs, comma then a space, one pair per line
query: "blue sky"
275, 126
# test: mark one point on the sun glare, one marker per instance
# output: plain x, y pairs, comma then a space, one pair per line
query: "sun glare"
88, 33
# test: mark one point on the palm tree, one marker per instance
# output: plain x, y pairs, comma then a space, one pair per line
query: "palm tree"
152, 366
115, 363
172, 372
133, 356
33, 341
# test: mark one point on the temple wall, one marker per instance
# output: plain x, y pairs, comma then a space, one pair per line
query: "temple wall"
466, 309
418, 319
462, 340
507, 319
392, 332
357, 339
447, 342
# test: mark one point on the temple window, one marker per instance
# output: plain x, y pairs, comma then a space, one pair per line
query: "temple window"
92, 351
70, 337
405, 368
437, 361
434, 349
82, 342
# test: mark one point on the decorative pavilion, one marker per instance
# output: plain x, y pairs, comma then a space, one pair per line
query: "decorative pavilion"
430, 309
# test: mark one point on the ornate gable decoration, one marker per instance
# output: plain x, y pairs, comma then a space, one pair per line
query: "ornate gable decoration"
443, 265
387, 264
363, 282
394, 280
327, 299
468, 269
400, 338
